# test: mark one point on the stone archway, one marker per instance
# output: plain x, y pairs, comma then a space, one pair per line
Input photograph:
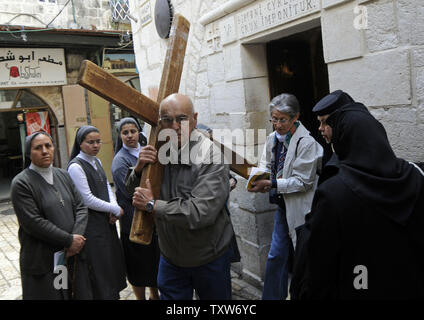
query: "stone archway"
53, 98
44, 98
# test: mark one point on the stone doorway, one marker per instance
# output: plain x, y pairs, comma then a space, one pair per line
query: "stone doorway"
296, 65
15, 108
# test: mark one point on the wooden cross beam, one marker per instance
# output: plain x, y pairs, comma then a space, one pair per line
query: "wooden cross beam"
112, 89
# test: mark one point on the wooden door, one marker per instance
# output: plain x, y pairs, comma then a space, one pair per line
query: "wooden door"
100, 118
75, 112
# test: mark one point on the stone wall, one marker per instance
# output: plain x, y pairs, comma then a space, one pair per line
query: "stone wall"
382, 66
225, 74
85, 14
78, 14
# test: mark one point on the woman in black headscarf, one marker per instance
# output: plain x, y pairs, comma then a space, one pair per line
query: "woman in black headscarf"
104, 251
52, 221
142, 261
366, 239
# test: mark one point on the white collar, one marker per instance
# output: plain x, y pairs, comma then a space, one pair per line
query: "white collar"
87, 157
90, 159
133, 151
46, 173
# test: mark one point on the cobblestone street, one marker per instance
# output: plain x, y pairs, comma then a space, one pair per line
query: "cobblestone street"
10, 280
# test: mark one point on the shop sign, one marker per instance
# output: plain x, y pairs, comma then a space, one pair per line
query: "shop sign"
32, 67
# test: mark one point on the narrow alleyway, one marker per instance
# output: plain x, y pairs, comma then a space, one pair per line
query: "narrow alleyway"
10, 280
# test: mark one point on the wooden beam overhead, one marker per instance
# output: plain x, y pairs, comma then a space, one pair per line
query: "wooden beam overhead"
111, 88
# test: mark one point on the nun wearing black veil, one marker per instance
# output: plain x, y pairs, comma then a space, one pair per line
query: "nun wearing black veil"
52, 219
142, 261
366, 231
104, 250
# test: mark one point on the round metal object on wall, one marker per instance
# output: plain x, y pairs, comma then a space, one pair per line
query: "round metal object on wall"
163, 17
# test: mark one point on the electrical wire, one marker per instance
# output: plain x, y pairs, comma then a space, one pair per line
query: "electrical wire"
47, 28
73, 11
26, 30
25, 14
120, 48
47, 25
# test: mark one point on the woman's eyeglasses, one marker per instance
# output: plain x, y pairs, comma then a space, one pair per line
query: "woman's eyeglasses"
282, 121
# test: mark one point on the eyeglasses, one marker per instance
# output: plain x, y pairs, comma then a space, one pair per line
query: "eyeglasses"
91, 142
282, 121
169, 120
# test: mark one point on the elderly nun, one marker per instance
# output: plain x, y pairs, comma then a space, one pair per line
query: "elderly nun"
292, 156
52, 221
104, 251
142, 261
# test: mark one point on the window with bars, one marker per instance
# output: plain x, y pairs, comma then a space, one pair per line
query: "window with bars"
119, 8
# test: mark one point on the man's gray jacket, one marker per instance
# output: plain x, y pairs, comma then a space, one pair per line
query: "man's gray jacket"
191, 217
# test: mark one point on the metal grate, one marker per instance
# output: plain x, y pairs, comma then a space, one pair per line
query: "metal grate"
120, 10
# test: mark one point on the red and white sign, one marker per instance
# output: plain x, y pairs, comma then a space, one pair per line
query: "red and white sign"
37, 121
21, 67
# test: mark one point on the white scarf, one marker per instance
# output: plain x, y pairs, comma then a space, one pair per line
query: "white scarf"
280, 137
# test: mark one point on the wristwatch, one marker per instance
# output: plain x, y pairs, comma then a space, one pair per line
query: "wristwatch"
150, 205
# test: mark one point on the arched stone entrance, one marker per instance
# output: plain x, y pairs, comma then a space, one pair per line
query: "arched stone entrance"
15, 106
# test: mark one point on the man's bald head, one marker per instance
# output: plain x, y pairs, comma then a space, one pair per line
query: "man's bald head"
177, 100
175, 111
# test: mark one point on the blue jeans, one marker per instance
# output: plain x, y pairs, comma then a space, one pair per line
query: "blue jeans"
212, 281
276, 272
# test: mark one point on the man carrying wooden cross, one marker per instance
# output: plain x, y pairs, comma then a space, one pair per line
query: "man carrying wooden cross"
193, 226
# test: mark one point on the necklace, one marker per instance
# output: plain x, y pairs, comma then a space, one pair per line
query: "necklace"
59, 195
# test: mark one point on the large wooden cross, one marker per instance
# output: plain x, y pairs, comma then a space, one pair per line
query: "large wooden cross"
114, 90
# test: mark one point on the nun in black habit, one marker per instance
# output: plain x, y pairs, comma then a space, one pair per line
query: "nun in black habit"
104, 250
52, 218
322, 110
142, 261
366, 230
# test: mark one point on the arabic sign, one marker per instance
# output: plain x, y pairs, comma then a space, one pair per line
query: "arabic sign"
32, 67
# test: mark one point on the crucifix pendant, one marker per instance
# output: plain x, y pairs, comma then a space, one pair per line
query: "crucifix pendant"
62, 202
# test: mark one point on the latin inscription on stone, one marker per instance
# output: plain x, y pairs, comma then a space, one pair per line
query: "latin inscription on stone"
227, 27
270, 13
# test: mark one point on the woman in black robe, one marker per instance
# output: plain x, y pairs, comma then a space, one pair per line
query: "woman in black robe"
142, 261
366, 231
52, 220
104, 251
